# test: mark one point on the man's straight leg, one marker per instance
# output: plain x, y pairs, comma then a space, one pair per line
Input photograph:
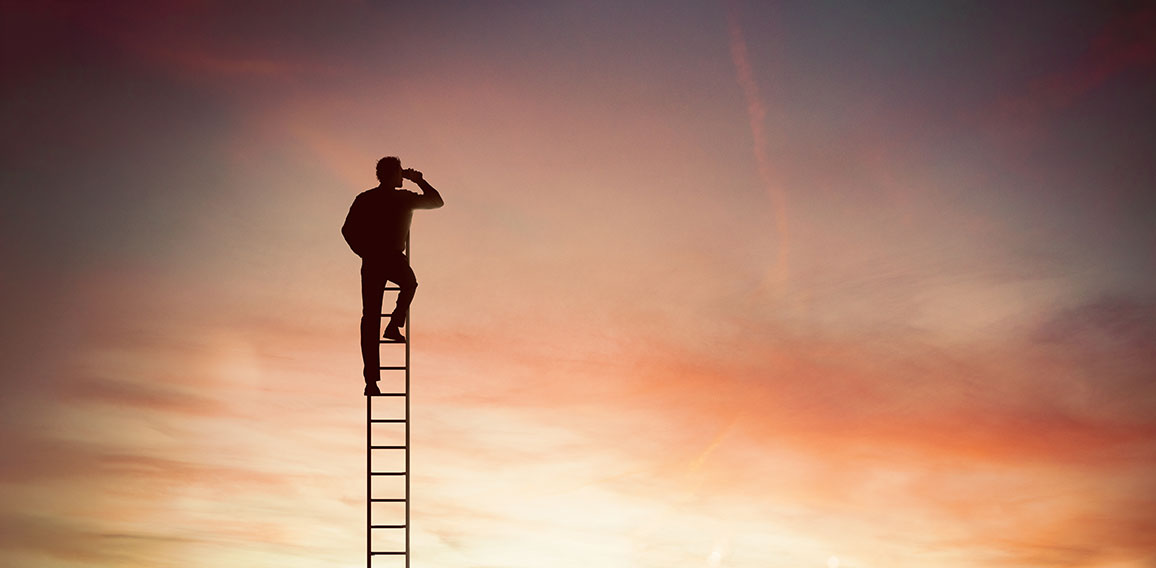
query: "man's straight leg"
372, 289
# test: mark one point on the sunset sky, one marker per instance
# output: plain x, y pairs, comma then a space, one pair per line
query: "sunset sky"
717, 284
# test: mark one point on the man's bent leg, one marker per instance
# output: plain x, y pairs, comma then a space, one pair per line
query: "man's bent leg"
407, 283
372, 288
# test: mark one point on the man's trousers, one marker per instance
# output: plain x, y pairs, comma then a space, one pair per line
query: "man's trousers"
374, 275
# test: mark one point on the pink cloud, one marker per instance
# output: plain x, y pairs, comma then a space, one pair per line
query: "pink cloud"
1123, 44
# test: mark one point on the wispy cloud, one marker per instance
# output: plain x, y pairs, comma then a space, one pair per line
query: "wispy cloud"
1124, 43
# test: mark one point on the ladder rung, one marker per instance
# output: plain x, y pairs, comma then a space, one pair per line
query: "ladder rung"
387, 473
387, 526
389, 420
387, 552
392, 288
392, 368
387, 447
391, 500
390, 341
389, 394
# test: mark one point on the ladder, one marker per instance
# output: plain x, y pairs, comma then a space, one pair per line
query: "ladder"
371, 474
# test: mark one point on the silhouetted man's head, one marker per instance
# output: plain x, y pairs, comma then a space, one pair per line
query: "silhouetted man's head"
389, 171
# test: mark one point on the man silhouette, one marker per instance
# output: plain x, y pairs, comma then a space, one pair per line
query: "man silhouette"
377, 229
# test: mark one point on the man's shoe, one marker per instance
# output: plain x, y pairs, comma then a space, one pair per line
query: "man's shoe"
371, 389
392, 333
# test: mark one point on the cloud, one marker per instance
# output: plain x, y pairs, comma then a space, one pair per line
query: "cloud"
34, 457
58, 539
187, 39
131, 394
1102, 354
1126, 42
1123, 325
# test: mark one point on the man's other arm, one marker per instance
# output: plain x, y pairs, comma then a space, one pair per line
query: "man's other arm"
353, 229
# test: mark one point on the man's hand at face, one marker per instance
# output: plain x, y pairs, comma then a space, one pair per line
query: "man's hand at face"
412, 175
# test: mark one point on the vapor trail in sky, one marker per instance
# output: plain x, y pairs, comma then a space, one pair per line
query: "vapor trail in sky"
757, 113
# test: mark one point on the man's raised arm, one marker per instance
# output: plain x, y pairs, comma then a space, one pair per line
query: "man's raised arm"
430, 198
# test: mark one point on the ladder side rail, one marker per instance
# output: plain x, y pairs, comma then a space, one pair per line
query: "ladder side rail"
408, 340
369, 478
